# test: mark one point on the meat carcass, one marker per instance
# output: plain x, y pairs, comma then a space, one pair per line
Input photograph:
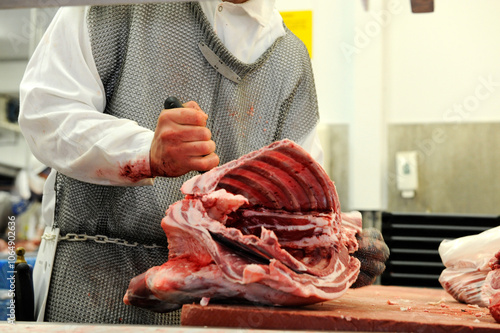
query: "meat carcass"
278, 203
472, 273
493, 282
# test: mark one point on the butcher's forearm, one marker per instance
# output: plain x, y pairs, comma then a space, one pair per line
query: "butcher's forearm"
62, 103
90, 146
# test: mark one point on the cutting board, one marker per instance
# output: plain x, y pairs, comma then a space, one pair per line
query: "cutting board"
368, 309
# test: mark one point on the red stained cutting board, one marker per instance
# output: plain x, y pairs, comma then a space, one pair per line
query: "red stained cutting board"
369, 309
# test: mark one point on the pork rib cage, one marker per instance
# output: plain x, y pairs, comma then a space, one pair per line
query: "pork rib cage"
277, 201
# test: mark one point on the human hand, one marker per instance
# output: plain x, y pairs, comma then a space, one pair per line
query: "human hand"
182, 142
372, 253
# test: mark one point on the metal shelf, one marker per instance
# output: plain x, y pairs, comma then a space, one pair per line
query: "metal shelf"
414, 239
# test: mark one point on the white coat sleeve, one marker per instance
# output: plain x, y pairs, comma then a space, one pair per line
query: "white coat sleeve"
312, 144
62, 101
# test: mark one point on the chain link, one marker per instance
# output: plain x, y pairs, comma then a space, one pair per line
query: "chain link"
70, 237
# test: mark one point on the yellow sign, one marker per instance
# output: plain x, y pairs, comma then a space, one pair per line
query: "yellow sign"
300, 23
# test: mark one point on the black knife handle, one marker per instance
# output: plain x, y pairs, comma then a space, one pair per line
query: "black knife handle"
172, 103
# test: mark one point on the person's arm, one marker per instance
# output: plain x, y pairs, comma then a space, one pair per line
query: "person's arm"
62, 119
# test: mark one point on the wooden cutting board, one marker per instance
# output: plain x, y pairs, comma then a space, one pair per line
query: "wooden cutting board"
369, 309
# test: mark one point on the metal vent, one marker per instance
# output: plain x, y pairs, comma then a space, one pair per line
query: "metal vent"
414, 240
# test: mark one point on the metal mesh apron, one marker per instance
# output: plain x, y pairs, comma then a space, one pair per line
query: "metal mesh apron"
145, 53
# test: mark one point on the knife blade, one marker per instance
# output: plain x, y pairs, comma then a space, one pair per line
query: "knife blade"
253, 255
240, 249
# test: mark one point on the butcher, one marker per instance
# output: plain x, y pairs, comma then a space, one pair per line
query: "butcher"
92, 109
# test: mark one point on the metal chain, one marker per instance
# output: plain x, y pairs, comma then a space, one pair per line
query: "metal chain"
70, 237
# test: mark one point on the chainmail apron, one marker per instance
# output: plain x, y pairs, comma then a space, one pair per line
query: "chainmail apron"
145, 53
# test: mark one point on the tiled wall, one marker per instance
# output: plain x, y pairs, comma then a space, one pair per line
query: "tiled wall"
458, 166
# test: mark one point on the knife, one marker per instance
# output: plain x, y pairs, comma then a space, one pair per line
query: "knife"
241, 249
251, 254
174, 103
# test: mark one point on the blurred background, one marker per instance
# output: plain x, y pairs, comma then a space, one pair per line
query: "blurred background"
410, 120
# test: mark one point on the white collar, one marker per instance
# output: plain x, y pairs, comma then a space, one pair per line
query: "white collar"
260, 10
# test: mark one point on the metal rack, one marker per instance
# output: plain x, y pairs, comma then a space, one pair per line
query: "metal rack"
414, 239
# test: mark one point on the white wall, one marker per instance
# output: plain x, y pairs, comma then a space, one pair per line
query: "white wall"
332, 23
367, 125
444, 66
11, 73
437, 67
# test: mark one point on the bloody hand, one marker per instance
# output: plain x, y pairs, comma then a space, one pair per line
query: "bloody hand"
182, 142
372, 253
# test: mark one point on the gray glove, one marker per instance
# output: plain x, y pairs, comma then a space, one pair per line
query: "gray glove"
372, 253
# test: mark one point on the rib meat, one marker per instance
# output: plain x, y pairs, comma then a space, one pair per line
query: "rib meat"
472, 273
276, 201
493, 283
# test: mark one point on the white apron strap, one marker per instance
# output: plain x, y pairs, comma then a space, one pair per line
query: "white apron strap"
43, 270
